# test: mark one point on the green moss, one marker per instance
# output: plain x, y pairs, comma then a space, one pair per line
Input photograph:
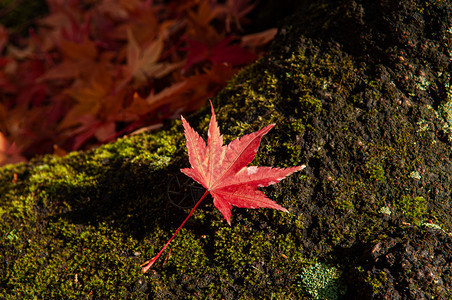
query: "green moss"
69, 260
187, 254
414, 208
93, 256
445, 110
240, 246
376, 172
376, 282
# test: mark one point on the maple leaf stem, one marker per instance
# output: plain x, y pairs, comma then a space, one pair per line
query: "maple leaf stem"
149, 263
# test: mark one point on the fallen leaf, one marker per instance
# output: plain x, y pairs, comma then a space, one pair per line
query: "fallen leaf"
235, 11
222, 52
116, 65
9, 153
222, 170
3, 37
255, 40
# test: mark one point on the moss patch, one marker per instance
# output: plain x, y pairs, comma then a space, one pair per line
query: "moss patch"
355, 89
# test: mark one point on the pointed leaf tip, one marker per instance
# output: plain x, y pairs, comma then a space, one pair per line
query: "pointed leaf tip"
211, 108
222, 169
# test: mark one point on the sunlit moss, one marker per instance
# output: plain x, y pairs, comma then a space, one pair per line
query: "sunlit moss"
413, 207
67, 259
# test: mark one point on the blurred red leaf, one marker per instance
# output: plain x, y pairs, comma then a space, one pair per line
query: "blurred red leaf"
3, 38
221, 52
89, 73
9, 153
235, 12
256, 40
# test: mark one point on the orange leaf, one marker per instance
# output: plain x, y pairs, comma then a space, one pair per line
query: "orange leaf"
255, 40
142, 63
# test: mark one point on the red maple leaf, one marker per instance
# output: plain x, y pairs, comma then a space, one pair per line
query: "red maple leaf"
222, 170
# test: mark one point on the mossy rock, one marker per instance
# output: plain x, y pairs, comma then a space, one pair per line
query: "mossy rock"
359, 92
